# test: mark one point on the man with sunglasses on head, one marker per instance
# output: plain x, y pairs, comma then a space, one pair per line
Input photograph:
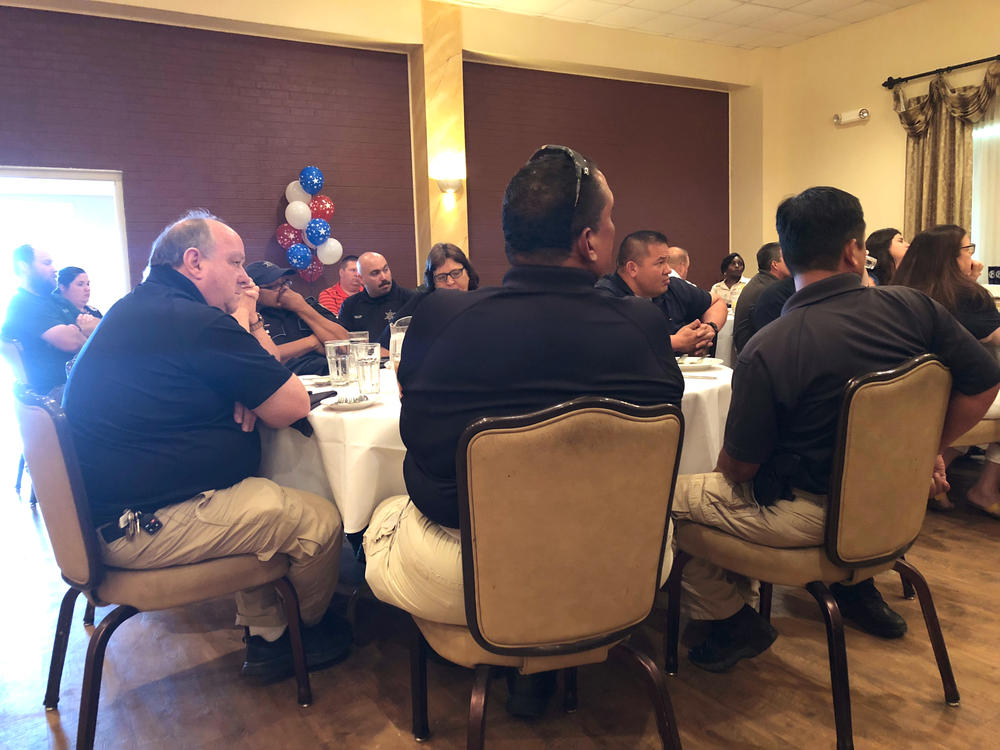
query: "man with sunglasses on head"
546, 336
298, 326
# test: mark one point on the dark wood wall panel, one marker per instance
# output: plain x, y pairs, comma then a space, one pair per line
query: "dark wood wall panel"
225, 121
664, 150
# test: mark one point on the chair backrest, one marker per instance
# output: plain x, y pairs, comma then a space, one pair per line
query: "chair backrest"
12, 353
58, 485
563, 517
888, 437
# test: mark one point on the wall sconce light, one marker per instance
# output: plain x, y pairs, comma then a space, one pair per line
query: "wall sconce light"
449, 185
851, 116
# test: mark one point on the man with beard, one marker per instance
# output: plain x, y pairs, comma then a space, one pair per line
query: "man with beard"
376, 304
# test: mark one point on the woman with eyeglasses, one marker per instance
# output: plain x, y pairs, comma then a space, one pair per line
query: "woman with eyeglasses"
887, 247
447, 268
939, 263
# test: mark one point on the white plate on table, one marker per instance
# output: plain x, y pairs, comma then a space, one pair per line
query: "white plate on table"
336, 405
694, 364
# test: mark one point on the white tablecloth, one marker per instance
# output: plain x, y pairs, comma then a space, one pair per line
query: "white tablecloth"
356, 457
724, 342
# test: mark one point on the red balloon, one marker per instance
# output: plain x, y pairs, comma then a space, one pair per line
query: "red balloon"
321, 207
288, 235
313, 271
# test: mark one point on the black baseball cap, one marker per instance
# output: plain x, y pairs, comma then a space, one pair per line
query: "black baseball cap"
265, 272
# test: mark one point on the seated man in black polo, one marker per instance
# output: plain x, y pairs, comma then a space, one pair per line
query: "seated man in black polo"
771, 269
48, 334
687, 306
774, 467
376, 305
643, 270
298, 326
479, 354
162, 404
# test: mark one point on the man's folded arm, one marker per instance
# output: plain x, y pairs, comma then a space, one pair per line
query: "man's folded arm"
65, 337
286, 405
964, 412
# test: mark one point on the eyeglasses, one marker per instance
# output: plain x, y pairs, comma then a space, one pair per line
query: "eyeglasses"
970, 248
578, 163
275, 285
442, 278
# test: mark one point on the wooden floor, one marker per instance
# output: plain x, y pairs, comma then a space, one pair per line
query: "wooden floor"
172, 679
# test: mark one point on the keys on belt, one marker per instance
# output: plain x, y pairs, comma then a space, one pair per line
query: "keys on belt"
129, 524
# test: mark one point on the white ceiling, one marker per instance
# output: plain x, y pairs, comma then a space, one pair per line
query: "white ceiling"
734, 23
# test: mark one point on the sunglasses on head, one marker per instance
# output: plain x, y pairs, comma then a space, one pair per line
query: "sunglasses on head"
578, 163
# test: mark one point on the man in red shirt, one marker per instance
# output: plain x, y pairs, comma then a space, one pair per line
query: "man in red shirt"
350, 283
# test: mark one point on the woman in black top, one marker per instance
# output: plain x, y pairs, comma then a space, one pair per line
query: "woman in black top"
939, 263
73, 291
447, 267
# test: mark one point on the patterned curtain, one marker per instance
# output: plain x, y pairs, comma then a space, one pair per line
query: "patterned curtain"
938, 128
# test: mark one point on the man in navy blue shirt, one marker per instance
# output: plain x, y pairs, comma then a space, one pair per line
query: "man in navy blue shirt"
162, 403
48, 336
380, 298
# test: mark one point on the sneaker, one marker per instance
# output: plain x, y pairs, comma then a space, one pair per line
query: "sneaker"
742, 636
864, 605
326, 643
528, 694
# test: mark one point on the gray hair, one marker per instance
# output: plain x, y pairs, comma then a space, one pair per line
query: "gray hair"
190, 230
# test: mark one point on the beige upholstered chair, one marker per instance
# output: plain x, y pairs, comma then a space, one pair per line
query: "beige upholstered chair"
877, 501
563, 520
11, 351
55, 473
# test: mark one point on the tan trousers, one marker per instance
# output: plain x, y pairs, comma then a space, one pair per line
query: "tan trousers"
709, 592
257, 517
413, 563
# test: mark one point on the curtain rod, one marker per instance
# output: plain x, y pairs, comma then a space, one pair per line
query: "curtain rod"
890, 81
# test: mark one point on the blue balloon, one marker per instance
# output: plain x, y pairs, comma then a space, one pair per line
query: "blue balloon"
299, 256
318, 231
311, 179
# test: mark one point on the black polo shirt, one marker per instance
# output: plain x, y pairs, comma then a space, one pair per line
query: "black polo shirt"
362, 312
770, 303
151, 398
682, 303
790, 378
285, 326
743, 327
544, 337
28, 317
614, 285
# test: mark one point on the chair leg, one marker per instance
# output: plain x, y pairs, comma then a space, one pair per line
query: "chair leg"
63, 625
418, 686
88, 613
839, 681
916, 580
477, 708
570, 700
291, 602
908, 592
20, 474
672, 636
657, 686
91, 693
766, 591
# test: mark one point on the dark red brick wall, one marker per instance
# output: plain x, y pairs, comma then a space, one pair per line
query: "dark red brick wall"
664, 151
199, 118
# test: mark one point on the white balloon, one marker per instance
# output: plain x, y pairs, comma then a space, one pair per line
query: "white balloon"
295, 192
298, 214
330, 251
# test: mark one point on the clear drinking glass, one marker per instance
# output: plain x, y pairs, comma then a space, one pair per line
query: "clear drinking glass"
338, 358
397, 331
368, 357
357, 337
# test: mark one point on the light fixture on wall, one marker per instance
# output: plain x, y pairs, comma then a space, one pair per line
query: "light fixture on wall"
452, 185
851, 116
448, 171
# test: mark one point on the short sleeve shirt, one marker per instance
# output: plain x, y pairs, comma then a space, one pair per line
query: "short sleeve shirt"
28, 317
980, 319
150, 400
790, 378
284, 327
362, 312
682, 303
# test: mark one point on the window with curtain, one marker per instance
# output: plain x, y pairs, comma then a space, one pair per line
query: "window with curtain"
986, 194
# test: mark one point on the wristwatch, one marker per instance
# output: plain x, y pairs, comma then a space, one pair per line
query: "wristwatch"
257, 324
714, 327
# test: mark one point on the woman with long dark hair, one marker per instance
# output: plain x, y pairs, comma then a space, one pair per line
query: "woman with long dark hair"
887, 247
939, 263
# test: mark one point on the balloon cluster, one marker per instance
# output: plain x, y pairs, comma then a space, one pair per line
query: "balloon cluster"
306, 234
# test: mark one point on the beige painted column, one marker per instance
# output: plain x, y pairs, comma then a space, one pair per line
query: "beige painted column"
437, 116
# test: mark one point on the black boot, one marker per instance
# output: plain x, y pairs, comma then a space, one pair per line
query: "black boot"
865, 606
742, 636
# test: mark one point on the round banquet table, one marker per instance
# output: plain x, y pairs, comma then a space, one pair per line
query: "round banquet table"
356, 457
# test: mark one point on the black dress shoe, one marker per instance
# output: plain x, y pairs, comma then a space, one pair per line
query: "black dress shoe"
326, 643
742, 636
528, 694
864, 605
